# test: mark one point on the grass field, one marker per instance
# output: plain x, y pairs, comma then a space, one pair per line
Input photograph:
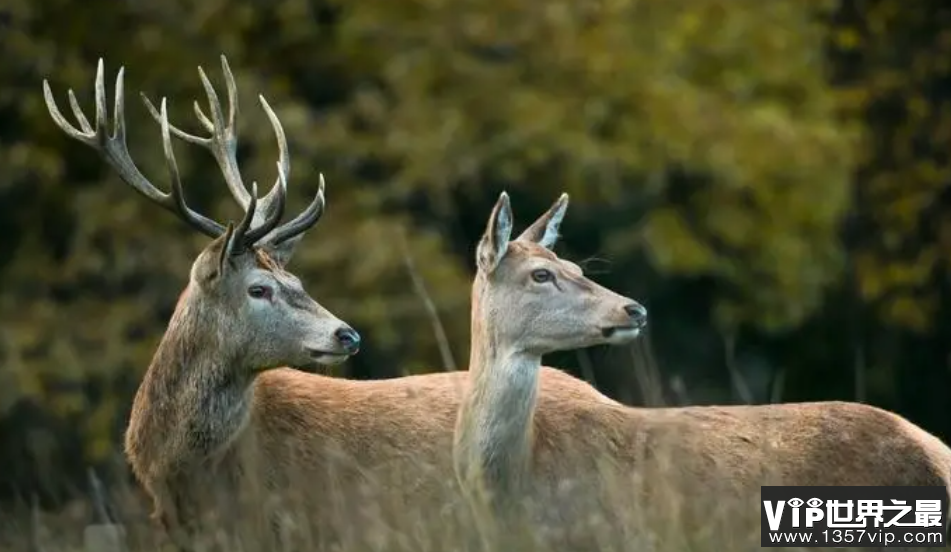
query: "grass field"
380, 523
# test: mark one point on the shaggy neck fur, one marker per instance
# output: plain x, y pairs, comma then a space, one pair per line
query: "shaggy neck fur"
494, 437
195, 398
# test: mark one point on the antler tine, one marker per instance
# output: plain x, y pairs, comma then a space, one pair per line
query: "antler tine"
179, 133
223, 140
239, 239
202, 118
283, 163
118, 108
101, 109
302, 222
78, 112
309, 216
87, 135
232, 93
274, 217
176, 198
244, 235
115, 151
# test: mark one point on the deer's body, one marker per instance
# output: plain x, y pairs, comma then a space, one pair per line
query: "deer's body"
671, 478
692, 476
192, 439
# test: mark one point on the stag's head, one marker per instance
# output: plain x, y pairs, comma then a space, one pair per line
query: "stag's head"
539, 303
239, 288
261, 309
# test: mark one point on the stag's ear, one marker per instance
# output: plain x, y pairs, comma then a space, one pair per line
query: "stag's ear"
282, 252
544, 231
498, 232
213, 261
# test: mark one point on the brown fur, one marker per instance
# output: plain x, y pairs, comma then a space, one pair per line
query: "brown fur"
675, 478
202, 431
686, 465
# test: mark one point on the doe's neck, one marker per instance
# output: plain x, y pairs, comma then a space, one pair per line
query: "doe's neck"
494, 433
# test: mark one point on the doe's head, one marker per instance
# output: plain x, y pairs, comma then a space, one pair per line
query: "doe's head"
539, 303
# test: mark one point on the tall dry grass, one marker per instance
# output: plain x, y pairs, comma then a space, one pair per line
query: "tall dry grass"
381, 519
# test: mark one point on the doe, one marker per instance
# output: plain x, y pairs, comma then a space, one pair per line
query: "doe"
670, 478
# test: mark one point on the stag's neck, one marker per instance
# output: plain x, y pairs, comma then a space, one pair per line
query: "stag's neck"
195, 399
494, 432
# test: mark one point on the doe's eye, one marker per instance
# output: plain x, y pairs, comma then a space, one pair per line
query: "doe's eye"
542, 275
259, 292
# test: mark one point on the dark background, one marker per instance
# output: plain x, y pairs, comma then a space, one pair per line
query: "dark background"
770, 178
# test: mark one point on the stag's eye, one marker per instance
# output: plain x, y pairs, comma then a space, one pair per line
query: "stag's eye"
260, 292
542, 275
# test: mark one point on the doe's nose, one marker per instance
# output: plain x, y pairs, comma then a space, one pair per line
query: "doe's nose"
638, 314
348, 338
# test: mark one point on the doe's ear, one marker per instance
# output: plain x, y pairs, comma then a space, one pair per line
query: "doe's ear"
498, 232
544, 231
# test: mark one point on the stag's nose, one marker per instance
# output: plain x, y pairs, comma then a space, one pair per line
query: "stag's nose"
348, 338
637, 313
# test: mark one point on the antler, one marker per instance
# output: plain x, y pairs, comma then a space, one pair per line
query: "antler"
114, 150
223, 146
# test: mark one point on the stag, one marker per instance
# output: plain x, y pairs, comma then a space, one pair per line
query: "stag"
230, 422
672, 478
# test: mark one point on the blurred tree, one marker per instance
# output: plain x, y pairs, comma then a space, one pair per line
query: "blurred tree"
894, 68
716, 115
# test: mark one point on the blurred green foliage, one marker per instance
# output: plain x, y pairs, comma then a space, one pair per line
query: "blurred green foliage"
764, 160
897, 64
